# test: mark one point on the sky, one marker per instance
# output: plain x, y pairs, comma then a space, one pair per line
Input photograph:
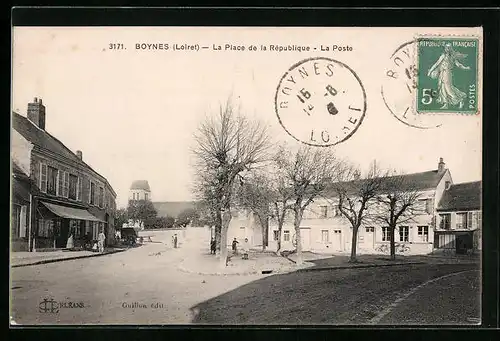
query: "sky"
133, 112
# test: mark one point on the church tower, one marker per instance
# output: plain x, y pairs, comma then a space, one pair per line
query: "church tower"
140, 190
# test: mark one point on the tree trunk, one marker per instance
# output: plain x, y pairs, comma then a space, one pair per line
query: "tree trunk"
296, 223
218, 228
226, 219
264, 223
354, 244
393, 242
278, 242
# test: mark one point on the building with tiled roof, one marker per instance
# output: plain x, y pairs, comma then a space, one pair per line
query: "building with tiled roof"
458, 220
70, 201
324, 229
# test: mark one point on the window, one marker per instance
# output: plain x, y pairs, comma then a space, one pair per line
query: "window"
101, 197
16, 220
145, 196
470, 220
461, 221
80, 189
337, 212
404, 233
370, 229
242, 227
445, 221
75, 228
52, 178
423, 233
276, 235
286, 236
73, 186
324, 211
45, 228
385, 234
43, 177
65, 191
325, 238
92, 193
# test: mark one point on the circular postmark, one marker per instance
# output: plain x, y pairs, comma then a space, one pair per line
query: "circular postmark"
320, 102
399, 88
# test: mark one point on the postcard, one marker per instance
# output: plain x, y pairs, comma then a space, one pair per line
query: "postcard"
246, 175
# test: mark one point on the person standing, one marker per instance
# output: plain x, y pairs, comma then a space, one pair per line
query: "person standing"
234, 246
174, 240
100, 241
212, 246
246, 249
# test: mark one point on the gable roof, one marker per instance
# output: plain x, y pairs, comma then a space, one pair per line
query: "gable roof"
172, 208
44, 140
461, 197
416, 181
140, 184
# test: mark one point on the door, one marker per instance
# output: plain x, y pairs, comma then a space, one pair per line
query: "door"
368, 238
62, 233
337, 240
305, 238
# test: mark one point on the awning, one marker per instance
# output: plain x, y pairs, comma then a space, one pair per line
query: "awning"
71, 213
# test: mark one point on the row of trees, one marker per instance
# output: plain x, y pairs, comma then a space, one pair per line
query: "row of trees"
144, 210
237, 168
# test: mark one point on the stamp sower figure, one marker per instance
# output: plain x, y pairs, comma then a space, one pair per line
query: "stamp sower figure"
442, 70
246, 249
212, 246
174, 240
234, 246
100, 241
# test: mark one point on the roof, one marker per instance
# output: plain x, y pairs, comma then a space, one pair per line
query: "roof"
172, 208
18, 172
140, 184
20, 191
416, 181
44, 140
461, 197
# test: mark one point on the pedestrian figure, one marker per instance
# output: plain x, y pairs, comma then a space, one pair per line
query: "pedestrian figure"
246, 249
212, 246
100, 241
174, 240
235, 246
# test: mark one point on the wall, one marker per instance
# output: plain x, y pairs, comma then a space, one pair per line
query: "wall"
21, 151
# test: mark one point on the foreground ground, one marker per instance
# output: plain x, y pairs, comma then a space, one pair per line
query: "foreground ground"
144, 286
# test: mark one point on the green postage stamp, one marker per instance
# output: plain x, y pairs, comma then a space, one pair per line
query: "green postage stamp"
447, 75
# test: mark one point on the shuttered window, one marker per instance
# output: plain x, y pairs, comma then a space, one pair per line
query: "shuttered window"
43, 178
79, 189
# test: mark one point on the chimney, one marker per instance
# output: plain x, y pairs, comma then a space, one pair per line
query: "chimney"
36, 113
79, 154
441, 165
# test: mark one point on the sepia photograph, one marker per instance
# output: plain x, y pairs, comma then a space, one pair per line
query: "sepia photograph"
246, 176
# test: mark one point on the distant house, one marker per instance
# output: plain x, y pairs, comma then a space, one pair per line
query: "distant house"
447, 213
55, 194
458, 226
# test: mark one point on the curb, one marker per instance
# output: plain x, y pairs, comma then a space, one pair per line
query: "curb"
46, 261
358, 266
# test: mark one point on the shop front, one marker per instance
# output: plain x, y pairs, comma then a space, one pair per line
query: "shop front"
60, 227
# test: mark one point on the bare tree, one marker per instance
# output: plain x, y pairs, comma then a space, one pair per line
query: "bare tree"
227, 146
308, 172
398, 204
257, 195
357, 196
